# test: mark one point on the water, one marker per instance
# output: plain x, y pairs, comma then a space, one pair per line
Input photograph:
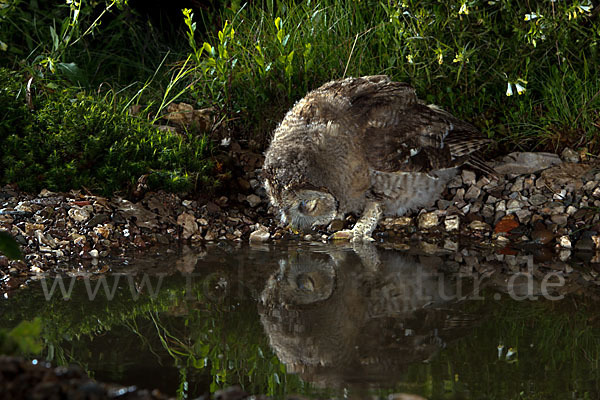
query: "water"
326, 320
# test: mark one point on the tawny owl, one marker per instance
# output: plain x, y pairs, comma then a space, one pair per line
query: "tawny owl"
366, 146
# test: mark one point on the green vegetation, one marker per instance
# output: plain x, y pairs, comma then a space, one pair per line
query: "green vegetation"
75, 140
524, 73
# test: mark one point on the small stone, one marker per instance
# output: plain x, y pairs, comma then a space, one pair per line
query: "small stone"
97, 220
502, 240
188, 222
428, 220
571, 210
335, 225
513, 205
103, 230
94, 253
468, 177
308, 238
570, 155
455, 182
596, 240
253, 200
452, 223
537, 199
244, 184
459, 196
450, 245
518, 185
501, 206
523, 215
560, 219
596, 192
202, 221
186, 203
479, 226
506, 224
210, 236
443, 204
487, 211
254, 184
473, 193
589, 186
78, 214
491, 199
560, 195
586, 242
259, 236
564, 241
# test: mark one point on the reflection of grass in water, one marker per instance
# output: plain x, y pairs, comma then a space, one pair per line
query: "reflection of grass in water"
556, 345
226, 340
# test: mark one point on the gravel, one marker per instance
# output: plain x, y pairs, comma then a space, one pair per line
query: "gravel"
556, 206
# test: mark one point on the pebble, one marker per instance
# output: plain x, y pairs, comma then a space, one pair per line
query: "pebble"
537, 199
259, 236
452, 223
560, 219
94, 253
78, 214
468, 177
188, 222
570, 155
253, 200
565, 242
479, 226
473, 193
428, 220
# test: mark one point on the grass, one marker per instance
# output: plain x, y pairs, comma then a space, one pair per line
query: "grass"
76, 140
524, 74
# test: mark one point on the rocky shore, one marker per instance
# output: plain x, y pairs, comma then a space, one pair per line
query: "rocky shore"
540, 199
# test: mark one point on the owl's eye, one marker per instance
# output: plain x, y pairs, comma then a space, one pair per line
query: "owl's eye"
307, 207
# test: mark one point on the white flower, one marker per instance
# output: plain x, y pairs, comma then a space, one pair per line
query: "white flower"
464, 9
520, 89
511, 352
586, 8
409, 58
532, 16
509, 91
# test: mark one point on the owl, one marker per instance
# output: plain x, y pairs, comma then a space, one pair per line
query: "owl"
366, 146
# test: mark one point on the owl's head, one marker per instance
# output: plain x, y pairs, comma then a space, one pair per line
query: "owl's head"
304, 209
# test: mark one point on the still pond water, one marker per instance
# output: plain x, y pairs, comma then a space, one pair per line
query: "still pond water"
324, 321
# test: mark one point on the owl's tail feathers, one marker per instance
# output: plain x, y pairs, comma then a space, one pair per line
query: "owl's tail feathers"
479, 164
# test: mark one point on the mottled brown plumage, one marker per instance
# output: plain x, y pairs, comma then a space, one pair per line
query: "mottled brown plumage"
364, 145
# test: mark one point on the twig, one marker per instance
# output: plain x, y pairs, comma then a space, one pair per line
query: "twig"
350, 56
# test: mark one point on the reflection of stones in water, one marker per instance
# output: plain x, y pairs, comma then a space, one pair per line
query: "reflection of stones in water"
335, 322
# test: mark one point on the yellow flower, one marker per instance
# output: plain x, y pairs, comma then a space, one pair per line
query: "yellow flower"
409, 58
464, 9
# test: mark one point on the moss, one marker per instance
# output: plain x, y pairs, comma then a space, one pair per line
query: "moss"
74, 140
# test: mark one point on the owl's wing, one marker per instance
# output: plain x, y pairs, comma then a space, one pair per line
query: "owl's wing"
419, 138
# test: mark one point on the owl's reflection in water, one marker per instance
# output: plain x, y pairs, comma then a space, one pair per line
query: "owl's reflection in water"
336, 322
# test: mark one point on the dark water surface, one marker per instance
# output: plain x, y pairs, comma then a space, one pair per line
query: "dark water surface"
325, 320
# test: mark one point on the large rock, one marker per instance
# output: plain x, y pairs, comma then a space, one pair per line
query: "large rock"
522, 163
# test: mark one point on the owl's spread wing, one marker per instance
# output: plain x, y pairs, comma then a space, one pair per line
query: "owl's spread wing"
401, 134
